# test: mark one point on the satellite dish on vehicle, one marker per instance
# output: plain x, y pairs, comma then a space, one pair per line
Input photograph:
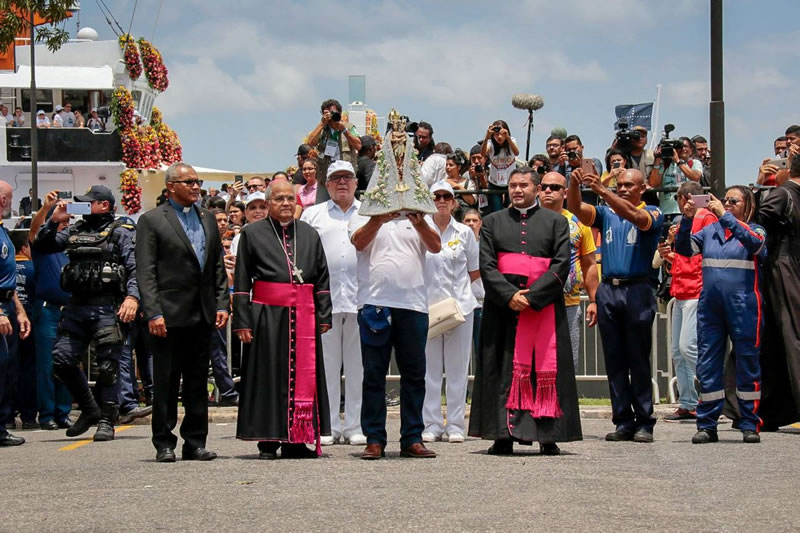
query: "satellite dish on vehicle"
88, 34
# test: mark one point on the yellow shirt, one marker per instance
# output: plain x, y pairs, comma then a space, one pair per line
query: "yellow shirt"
580, 243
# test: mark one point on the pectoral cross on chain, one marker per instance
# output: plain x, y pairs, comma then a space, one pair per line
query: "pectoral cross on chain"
298, 274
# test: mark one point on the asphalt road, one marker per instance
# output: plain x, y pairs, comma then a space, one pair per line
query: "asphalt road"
57, 484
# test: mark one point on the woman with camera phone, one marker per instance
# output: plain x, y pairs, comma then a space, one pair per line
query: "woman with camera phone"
730, 305
502, 151
616, 163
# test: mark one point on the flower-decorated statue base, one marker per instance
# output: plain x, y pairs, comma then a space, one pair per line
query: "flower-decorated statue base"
396, 185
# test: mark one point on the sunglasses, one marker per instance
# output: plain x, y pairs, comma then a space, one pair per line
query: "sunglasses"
253, 186
340, 179
555, 187
190, 183
445, 196
732, 201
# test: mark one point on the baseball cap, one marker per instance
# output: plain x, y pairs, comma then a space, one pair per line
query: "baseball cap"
303, 149
59, 107
253, 196
340, 165
442, 186
96, 193
94, 110
367, 141
40, 112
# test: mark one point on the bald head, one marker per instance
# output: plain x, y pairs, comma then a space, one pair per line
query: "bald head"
6, 192
635, 175
554, 177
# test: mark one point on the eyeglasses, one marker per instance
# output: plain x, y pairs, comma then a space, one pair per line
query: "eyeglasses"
732, 201
282, 199
553, 145
555, 187
189, 183
251, 186
445, 196
340, 179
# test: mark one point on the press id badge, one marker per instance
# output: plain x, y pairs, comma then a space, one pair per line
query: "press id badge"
332, 150
482, 201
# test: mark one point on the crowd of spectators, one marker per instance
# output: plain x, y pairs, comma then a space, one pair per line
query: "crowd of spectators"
63, 117
472, 183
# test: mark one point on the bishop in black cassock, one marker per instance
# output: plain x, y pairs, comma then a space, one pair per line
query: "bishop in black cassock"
282, 298
525, 387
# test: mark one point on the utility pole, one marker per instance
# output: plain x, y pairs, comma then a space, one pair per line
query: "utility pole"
34, 140
717, 105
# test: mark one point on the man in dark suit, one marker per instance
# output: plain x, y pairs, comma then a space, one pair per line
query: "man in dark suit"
26, 204
184, 291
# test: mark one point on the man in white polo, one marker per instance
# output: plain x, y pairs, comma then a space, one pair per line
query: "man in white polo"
341, 344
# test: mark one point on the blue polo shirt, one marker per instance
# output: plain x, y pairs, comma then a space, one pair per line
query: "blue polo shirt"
627, 250
47, 277
8, 263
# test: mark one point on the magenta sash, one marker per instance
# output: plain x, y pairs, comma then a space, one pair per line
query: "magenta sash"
535, 343
304, 390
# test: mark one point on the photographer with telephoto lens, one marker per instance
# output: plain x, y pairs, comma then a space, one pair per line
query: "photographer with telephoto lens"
334, 139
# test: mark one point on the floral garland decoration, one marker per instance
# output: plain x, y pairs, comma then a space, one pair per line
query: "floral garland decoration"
378, 194
131, 192
154, 68
168, 142
132, 62
372, 126
122, 108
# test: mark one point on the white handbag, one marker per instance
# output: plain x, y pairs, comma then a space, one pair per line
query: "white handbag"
444, 316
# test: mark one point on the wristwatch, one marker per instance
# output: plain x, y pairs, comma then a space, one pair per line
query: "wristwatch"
681, 162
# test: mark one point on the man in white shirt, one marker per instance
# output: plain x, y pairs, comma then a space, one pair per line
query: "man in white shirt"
5, 117
67, 116
433, 169
341, 344
393, 313
58, 117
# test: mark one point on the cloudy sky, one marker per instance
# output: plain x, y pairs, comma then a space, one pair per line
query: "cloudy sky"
247, 76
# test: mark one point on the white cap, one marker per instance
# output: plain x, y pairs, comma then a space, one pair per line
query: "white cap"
253, 196
442, 186
340, 165
40, 112
59, 107
94, 110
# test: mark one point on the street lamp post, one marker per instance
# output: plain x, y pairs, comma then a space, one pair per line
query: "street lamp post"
34, 138
717, 105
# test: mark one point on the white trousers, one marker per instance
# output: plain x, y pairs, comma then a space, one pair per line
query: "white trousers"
341, 345
449, 354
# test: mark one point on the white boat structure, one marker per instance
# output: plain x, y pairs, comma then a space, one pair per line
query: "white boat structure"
84, 72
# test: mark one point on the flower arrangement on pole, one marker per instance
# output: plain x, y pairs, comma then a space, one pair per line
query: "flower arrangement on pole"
168, 142
131, 192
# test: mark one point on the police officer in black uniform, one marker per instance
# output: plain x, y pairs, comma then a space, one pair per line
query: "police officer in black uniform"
101, 276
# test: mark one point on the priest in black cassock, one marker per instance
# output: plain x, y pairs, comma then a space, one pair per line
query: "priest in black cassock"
525, 379
282, 305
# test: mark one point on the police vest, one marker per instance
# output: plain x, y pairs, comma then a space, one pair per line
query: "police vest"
95, 261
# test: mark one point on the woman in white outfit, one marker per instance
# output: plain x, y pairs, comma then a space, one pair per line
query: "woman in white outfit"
449, 274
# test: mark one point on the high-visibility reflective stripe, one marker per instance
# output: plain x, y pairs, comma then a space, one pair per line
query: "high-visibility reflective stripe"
729, 263
748, 395
695, 248
711, 396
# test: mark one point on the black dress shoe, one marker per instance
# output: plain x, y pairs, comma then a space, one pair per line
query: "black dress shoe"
133, 414
165, 455
30, 425
705, 436
643, 435
619, 436
297, 451
64, 424
501, 447
229, 402
198, 454
267, 456
549, 448
11, 440
750, 437
50, 425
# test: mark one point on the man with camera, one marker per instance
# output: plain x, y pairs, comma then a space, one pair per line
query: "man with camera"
558, 156
703, 153
632, 142
675, 164
479, 174
101, 277
423, 140
573, 148
334, 139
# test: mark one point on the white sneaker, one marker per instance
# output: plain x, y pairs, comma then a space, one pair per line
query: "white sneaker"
357, 439
427, 436
327, 440
456, 437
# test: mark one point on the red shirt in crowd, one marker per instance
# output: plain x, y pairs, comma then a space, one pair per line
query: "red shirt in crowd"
687, 272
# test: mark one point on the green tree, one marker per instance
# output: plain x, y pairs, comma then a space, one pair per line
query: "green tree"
15, 20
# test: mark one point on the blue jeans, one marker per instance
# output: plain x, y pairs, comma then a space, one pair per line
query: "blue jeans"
138, 338
408, 336
219, 364
52, 396
684, 350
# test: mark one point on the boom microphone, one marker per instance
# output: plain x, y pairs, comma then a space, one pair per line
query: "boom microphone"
527, 101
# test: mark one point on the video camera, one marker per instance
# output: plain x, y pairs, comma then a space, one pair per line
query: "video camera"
669, 147
625, 136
